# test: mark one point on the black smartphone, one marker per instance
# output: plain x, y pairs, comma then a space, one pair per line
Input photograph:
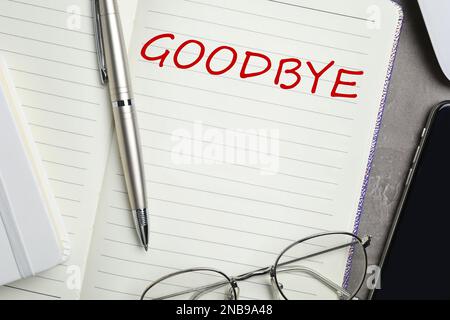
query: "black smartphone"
416, 261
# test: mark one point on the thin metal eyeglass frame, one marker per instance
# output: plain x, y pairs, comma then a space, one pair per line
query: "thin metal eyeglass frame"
272, 271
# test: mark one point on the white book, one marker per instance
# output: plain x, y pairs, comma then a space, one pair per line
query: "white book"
207, 209
32, 235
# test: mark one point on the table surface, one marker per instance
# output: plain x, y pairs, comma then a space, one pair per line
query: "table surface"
417, 85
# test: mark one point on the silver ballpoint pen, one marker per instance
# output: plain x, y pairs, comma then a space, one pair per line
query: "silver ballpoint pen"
114, 70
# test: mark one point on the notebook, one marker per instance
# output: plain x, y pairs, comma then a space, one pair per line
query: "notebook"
214, 202
32, 235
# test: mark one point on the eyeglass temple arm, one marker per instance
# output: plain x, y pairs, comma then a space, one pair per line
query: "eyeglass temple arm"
198, 291
205, 289
339, 290
365, 243
266, 270
211, 288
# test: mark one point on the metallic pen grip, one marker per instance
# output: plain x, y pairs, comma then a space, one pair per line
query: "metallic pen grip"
130, 152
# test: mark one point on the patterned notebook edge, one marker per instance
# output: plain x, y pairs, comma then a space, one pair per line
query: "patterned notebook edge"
375, 137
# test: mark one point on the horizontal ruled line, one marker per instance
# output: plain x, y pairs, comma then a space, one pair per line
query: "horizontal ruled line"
243, 98
47, 8
221, 211
50, 279
67, 199
46, 25
249, 167
253, 83
183, 254
116, 291
193, 239
49, 42
59, 113
229, 229
62, 147
266, 34
186, 254
58, 79
66, 182
125, 276
322, 11
33, 292
246, 47
322, 79
167, 268
253, 117
318, 164
60, 130
64, 165
58, 96
276, 204
139, 279
227, 112
240, 182
276, 254
282, 20
223, 128
69, 216
134, 261
49, 60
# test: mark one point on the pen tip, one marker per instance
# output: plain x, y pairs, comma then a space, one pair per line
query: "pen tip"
140, 219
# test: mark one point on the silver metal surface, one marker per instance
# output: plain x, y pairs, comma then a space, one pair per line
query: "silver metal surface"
131, 155
114, 71
140, 218
99, 41
114, 50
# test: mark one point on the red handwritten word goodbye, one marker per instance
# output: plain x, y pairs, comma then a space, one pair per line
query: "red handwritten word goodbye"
290, 66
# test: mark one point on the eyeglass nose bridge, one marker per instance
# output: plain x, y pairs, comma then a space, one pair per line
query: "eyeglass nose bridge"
234, 290
272, 272
276, 286
273, 278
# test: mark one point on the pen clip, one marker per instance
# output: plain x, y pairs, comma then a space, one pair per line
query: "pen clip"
98, 32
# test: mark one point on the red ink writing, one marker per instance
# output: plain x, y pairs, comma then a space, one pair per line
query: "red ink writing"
252, 55
292, 71
161, 57
340, 82
197, 60
317, 75
255, 64
213, 55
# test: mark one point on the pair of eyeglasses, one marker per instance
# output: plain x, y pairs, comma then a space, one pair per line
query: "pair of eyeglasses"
317, 267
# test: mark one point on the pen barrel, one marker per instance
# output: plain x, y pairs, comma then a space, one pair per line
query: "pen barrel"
131, 154
115, 52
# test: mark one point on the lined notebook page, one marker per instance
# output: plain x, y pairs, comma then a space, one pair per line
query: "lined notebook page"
236, 216
50, 49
